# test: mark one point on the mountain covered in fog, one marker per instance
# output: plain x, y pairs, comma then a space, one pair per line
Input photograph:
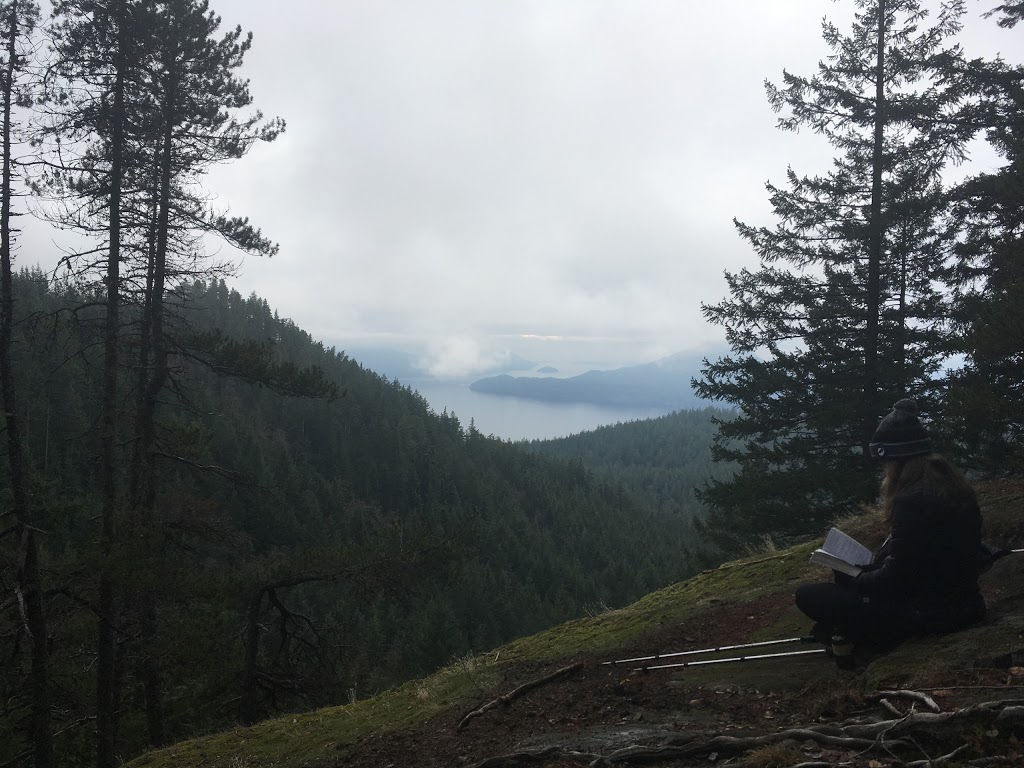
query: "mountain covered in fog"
662, 384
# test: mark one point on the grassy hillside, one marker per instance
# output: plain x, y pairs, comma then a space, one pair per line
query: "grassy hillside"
594, 709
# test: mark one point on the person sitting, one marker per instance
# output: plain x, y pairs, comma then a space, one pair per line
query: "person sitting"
924, 578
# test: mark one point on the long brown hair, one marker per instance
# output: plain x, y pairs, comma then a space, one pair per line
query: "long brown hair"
930, 471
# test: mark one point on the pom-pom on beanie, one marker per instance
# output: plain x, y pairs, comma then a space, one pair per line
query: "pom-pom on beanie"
900, 434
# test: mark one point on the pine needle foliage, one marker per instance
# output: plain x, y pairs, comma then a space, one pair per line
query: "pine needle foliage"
847, 311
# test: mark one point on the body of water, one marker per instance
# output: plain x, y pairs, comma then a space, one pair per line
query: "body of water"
513, 418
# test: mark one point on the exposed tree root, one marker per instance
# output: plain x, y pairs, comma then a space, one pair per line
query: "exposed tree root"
861, 735
943, 760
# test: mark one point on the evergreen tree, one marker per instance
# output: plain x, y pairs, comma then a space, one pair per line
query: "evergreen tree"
101, 51
18, 19
1011, 12
846, 313
985, 400
195, 95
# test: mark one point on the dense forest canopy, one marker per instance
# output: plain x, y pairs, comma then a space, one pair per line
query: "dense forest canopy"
366, 538
661, 462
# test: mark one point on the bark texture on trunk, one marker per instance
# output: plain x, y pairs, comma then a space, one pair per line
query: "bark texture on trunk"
29, 578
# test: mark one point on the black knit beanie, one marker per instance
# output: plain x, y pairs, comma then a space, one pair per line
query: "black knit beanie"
900, 434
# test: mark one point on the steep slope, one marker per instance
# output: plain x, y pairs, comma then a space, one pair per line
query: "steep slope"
305, 551
580, 711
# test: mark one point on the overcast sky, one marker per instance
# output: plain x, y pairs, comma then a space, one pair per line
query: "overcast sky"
555, 178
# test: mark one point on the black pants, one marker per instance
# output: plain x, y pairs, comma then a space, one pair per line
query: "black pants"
838, 609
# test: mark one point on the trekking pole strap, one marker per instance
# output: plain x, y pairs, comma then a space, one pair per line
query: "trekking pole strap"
718, 649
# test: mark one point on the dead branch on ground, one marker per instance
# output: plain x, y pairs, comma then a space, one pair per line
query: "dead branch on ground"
917, 696
865, 735
745, 563
512, 695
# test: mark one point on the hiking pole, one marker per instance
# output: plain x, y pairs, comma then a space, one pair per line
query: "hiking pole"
677, 664
718, 649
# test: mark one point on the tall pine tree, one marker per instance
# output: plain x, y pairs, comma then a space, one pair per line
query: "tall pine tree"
18, 19
194, 96
95, 86
985, 399
846, 312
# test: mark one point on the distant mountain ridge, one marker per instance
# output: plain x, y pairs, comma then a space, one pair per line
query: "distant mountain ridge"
662, 384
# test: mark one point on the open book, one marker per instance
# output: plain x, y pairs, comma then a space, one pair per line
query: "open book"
841, 553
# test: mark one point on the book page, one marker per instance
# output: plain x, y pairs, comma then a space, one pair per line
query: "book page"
821, 557
846, 548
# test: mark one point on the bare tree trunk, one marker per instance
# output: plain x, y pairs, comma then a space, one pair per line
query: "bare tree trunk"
146, 427
873, 299
106, 675
29, 579
247, 707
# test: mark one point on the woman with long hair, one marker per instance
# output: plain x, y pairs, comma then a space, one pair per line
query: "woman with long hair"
924, 578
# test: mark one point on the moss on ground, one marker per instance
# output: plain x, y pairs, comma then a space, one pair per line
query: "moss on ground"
299, 739
739, 581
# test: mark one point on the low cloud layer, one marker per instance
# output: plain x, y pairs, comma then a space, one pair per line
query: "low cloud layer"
460, 175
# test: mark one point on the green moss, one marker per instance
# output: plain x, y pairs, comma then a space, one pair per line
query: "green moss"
739, 581
930, 661
296, 740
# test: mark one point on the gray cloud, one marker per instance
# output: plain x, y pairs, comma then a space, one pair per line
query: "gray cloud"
460, 174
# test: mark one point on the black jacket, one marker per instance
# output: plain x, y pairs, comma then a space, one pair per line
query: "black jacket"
929, 563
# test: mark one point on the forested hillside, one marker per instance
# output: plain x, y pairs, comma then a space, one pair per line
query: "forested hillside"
661, 462
307, 549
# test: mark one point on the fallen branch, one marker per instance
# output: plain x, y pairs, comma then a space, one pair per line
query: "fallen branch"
512, 695
537, 756
744, 564
917, 696
1001, 686
937, 760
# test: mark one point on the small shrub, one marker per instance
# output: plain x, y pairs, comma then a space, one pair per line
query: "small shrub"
766, 546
